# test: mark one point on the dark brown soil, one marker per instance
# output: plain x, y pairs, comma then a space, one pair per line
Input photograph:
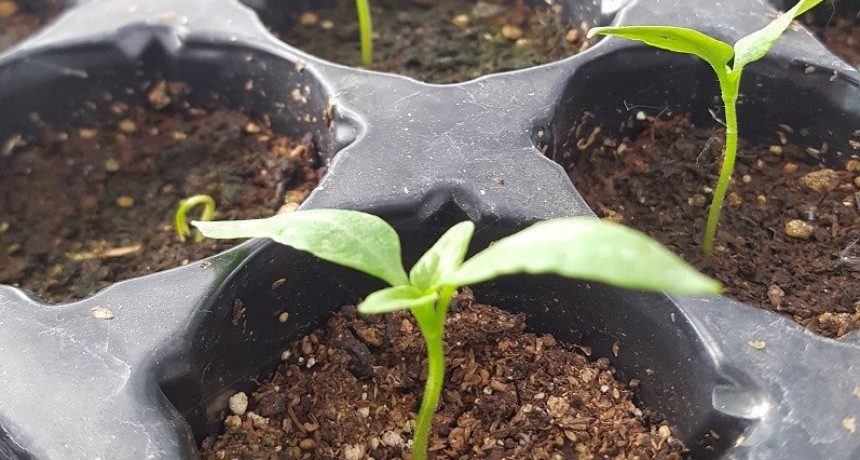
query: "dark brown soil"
20, 18
841, 35
351, 390
85, 208
661, 182
438, 41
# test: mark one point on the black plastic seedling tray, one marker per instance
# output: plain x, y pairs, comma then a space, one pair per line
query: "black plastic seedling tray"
152, 382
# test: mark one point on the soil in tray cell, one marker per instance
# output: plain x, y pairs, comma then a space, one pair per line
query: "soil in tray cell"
789, 235
842, 36
351, 391
441, 41
87, 207
20, 18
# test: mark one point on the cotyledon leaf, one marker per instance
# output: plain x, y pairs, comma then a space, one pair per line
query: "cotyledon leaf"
350, 238
395, 298
589, 249
677, 39
755, 45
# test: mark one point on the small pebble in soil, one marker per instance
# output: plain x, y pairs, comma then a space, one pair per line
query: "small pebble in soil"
800, 229
125, 201
8, 9
850, 424
86, 133
789, 168
308, 18
697, 201
821, 181
127, 126
392, 439
512, 33
354, 451
111, 165
757, 344
238, 403
460, 20
101, 313
734, 199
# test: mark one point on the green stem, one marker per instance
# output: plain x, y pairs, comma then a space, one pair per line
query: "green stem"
181, 221
432, 323
365, 29
729, 86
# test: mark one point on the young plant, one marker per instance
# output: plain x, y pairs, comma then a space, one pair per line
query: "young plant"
584, 248
365, 30
728, 63
180, 219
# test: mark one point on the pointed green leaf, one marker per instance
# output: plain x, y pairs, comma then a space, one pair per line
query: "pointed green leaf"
443, 258
395, 298
589, 249
755, 45
677, 39
349, 238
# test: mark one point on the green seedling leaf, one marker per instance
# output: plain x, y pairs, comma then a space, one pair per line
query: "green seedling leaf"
677, 39
350, 238
395, 298
588, 249
755, 45
443, 258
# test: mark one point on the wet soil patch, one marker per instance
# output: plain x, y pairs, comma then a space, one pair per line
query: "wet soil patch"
20, 18
788, 236
84, 208
437, 41
351, 391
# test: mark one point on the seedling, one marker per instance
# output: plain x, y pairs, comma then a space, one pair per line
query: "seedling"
728, 63
584, 248
180, 219
365, 30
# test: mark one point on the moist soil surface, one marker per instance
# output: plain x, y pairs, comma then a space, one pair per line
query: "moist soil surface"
841, 35
351, 391
88, 207
437, 41
20, 18
789, 231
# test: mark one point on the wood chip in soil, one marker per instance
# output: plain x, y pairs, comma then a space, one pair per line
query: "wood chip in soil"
437, 41
88, 207
788, 236
351, 391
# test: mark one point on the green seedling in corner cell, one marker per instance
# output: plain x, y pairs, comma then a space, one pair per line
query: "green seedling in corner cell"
365, 30
728, 63
181, 221
584, 248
